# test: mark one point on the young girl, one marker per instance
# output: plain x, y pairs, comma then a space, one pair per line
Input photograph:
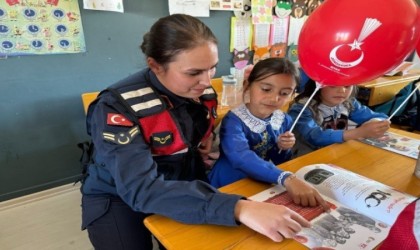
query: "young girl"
333, 116
254, 137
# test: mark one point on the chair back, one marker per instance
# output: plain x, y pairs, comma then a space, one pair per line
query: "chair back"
88, 98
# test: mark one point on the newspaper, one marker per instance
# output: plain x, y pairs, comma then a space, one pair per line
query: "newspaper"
362, 209
396, 143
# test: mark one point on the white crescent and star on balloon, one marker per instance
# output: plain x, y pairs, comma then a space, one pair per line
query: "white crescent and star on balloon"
337, 62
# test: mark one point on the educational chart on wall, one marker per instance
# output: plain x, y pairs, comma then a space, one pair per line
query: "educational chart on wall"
39, 27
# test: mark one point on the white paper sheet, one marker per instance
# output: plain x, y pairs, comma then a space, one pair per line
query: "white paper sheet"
105, 5
198, 8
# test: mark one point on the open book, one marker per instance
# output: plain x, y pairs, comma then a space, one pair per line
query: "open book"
396, 143
362, 210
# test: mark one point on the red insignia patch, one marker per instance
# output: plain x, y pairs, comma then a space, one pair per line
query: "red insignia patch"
118, 120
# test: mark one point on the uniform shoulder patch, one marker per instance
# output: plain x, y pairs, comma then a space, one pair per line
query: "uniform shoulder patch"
118, 120
162, 139
121, 138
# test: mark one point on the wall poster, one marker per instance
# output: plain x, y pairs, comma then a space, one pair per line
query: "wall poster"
39, 27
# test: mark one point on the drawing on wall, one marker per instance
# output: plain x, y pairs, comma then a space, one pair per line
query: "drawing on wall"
106, 5
233, 5
40, 27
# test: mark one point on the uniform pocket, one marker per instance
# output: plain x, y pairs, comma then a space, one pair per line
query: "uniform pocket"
93, 208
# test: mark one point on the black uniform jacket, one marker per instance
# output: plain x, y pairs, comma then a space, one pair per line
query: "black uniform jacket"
123, 165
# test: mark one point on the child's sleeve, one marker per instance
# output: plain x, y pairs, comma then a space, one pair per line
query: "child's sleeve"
362, 113
276, 155
235, 147
310, 131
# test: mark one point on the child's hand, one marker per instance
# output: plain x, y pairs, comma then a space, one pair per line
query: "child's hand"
375, 128
304, 194
286, 140
369, 129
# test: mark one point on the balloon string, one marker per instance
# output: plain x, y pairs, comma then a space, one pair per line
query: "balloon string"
318, 86
405, 100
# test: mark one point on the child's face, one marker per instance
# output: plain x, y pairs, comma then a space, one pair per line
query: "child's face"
270, 94
333, 96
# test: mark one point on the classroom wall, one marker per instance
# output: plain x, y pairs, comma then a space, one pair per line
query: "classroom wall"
42, 117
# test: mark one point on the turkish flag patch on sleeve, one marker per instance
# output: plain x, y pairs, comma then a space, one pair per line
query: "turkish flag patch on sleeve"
118, 120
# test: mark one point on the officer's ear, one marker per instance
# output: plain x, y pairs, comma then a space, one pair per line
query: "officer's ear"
155, 66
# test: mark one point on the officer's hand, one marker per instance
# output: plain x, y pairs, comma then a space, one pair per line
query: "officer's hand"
205, 147
277, 222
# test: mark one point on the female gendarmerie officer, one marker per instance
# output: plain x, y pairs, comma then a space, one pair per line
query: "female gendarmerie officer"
149, 131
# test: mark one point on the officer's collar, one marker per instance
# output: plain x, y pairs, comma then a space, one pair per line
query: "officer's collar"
174, 99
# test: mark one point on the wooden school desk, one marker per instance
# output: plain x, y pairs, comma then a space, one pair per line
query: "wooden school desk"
384, 88
387, 167
217, 84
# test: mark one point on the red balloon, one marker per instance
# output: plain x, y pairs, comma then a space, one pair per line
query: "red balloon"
418, 49
346, 42
418, 44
